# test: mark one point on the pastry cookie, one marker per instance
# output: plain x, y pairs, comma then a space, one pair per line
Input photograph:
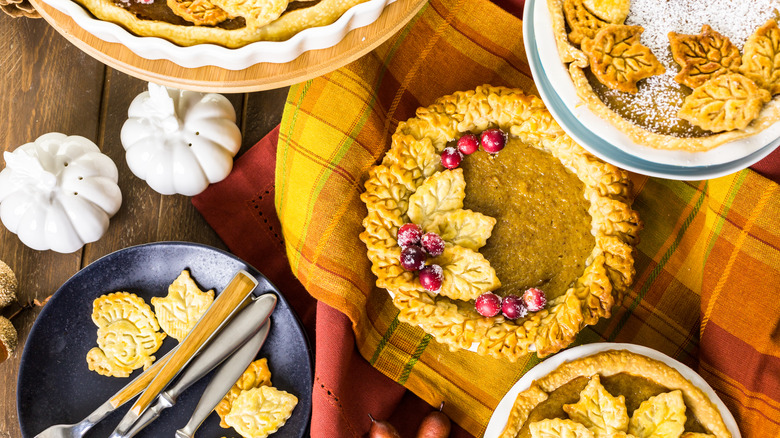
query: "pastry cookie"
259, 412
255, 376
704, 56
181, 309
198, 12
761, 60
127, 335
725, 103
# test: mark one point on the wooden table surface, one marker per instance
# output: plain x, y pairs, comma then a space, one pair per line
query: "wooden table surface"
48, 85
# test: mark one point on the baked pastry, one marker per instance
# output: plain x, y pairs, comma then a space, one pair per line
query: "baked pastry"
229, 23
724, 103
259, 412
541, 213
256, 375
179, 311
614, 393
694, 41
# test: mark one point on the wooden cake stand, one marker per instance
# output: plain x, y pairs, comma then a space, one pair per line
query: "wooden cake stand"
262, 76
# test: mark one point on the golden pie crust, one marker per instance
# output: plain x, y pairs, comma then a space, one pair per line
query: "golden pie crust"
263, 23
413, 158
612, 362
577, 61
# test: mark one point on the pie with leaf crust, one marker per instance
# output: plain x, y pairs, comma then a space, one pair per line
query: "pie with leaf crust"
614, 393
542, 213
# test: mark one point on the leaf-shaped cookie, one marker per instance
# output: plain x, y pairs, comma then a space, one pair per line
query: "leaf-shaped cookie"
582, 22
441, 193
618, 59
465, 228
612, 11
259, 412
559, 428
598, 410
467, 274
256, 375
661, 416
761, 60
704, 56
182, 308
199, 12
727, 102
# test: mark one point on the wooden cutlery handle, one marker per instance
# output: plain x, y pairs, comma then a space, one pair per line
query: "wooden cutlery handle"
139, 383
226, 303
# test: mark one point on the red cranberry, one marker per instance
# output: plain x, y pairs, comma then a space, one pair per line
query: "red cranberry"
513, 307
451, 157
493, 140
433, 244
488, 304
468, 144
431, 277
413, 258
534, 299
408, 235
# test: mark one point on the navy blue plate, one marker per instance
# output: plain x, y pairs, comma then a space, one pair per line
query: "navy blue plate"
55, 386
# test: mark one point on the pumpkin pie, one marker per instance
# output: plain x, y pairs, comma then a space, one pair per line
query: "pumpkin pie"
540, 214
645, 70
614, 393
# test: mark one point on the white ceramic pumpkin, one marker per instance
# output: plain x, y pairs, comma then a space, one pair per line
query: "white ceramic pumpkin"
180, 141
58, 192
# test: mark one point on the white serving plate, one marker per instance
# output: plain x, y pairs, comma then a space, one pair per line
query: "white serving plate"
501, 414
201, 55
606, 141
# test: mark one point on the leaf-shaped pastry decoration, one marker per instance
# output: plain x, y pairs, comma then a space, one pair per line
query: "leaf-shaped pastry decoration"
559, 428
661, 416
704, 56
256, 375
727, 102
618, 59
582, 22
761, 60
464, 228
181, 309
598, 410
441, 193
259, 412
199, 12
612, 11
467, 274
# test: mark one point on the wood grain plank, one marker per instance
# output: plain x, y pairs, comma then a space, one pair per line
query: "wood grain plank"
48, 85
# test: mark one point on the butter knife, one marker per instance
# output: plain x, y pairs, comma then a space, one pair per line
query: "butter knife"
250, 323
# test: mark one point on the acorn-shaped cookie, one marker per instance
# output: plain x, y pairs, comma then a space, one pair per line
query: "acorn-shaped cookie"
8, 285
7, 338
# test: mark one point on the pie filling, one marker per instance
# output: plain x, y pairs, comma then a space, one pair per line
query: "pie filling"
542, 235
635, 389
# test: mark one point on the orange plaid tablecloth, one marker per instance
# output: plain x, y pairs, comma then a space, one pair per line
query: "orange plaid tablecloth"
708, 266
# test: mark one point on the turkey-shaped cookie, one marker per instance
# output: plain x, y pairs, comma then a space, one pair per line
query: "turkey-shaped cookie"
704, 56
724, 103
559, 428
661, 416
255, 376
181, 309
259, 412
127, 335
598, 410
761, 60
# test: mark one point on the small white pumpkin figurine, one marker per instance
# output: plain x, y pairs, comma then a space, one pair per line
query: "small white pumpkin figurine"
58, 192
180, 141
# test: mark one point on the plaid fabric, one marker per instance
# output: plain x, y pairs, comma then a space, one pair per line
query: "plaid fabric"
707, 268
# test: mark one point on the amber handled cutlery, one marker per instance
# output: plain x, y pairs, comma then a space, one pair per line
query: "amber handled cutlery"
224, 306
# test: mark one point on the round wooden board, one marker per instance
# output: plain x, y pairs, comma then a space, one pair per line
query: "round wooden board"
263, 76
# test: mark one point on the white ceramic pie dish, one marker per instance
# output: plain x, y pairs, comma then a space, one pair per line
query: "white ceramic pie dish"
201, 55
501, 414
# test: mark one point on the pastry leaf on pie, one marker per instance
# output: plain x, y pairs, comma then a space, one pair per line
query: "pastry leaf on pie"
727, 102
612, 11
704, 56
467, 274
181, 309
465, 228
582, 22
618, 59
198, 12
661, 416
559, 428
441, 193
598, 410
761, 60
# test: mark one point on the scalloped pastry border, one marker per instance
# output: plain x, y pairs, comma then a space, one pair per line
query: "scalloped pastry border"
414, 156
609, 363
578, 61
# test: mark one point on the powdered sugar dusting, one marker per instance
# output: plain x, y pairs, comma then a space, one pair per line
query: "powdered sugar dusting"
656, 104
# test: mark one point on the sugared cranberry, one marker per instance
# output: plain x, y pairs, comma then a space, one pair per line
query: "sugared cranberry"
534, 299
493, 140
451, 157
408, 235
412, 258
431, 277
468, 144
433, 244
488, 304
513, 307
